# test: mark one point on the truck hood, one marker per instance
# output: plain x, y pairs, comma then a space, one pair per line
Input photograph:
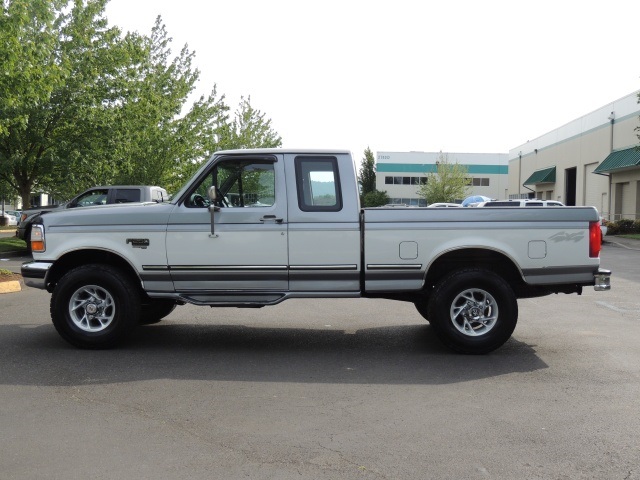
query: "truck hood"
119, 214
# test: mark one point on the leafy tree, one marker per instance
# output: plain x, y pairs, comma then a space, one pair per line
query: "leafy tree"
81, 104
375, 199
448, 183
367, 174
250, 129
369, 195
76, 63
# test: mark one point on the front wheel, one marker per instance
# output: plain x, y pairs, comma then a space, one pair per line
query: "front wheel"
95, 306
473, 311
155, 310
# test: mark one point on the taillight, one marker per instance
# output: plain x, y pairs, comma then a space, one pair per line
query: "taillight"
37, 238
595, 239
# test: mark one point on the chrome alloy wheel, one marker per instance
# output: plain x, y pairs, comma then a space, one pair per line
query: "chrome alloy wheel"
474, 312
91, 308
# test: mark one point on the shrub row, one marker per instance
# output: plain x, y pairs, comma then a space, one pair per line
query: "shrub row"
623, 226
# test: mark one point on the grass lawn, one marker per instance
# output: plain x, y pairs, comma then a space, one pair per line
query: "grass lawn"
11, 244
635, 236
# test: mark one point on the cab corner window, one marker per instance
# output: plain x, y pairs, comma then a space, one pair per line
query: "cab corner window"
238, 184
318, 184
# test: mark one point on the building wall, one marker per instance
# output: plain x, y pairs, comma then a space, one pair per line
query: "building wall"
488, 170
582, 145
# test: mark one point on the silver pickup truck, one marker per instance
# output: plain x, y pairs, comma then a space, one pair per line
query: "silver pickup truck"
256, 227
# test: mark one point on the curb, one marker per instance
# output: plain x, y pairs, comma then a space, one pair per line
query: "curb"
10, 286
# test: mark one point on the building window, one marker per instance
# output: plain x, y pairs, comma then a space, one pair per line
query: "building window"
413, 202
405, 180
478, 182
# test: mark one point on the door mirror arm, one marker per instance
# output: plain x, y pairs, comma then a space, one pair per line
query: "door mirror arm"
211, 193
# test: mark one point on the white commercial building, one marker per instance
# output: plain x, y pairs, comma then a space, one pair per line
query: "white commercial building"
400, 174
593, 161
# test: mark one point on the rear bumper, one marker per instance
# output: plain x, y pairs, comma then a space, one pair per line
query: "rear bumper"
35, 274
602, 280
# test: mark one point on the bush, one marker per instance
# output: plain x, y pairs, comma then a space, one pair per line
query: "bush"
625, 226
374, 199
622, 227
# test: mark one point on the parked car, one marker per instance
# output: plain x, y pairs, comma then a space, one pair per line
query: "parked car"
474, 200
524, 202
443, 205
92, 197
7, 219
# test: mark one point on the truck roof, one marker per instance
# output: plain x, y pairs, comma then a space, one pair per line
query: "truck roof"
305, 151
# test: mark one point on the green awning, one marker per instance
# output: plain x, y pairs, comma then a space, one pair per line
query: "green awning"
629, 157
546, 175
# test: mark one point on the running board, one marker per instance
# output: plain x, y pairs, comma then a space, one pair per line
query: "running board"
246, 299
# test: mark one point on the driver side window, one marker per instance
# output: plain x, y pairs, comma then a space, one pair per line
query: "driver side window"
239, 184
90, 198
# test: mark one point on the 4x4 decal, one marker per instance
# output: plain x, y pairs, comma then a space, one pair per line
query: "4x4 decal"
567, 237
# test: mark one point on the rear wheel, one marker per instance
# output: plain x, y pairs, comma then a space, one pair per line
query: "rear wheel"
473, 311
95, 306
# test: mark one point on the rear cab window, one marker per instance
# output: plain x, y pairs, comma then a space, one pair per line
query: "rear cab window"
126, 195
318, 184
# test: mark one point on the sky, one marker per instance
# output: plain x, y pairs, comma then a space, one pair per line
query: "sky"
453, 76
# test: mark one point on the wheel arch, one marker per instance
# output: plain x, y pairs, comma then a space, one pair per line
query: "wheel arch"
492, 260
78, 258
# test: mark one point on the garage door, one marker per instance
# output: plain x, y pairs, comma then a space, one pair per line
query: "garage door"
628, 203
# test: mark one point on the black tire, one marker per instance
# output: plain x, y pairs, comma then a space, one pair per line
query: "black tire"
155, 310
107, 306
473, 311
422, 306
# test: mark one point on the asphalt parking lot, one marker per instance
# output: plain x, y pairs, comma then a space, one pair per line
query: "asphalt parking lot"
328, 389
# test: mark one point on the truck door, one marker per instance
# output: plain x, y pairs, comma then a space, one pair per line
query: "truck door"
249, 248
324, 229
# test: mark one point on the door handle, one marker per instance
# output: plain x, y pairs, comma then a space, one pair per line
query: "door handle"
268, 218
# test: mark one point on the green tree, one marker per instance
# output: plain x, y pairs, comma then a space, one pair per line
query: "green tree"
77, 65
82, 104
367, 174
448, 183
375, 199
250, 129
369, 195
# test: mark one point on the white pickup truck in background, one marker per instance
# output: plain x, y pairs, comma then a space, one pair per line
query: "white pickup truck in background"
256, 227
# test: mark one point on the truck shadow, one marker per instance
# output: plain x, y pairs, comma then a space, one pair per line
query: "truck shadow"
389, 355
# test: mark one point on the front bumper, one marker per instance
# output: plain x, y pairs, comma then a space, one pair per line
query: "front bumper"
35, 274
